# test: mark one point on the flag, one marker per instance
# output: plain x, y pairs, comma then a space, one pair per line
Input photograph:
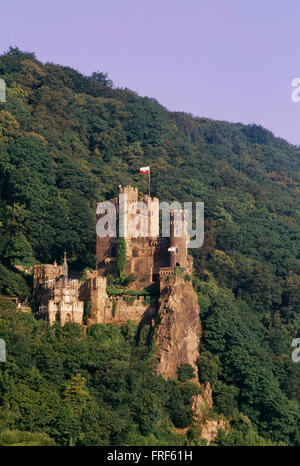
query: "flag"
144, 170
172, 249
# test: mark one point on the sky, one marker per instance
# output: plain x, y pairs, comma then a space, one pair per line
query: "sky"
231, 60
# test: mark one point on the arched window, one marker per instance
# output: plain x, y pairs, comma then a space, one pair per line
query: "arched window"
113, 250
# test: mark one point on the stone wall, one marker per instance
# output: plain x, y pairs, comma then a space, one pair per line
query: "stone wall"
119, 309
116, 309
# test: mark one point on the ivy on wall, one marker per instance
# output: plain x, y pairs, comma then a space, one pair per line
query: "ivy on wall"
121, 257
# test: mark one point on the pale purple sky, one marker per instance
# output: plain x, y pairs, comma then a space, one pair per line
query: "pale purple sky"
232, 60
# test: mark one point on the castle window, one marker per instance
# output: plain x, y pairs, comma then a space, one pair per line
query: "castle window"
113, 251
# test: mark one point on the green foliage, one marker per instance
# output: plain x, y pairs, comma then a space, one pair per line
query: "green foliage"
121, 256
185, 372
208, 367
64, 386
225, 399
87, 311
66, 142
13, 284
187, 277
17, 438
179, 271
129, 300
194, 437
239, 362
114, 308
83, 276
152, 290
242, 434
130, 279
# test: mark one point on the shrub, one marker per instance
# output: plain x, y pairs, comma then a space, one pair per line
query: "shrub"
87, 311
121, 256
208, 367
179, 271
187, 277
185, 372
114, 308
130, 279
129, 300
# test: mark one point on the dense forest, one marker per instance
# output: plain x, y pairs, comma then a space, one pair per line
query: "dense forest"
66, 142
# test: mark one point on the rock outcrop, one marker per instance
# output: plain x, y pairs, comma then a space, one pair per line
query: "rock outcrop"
211, 427
202, 402
202, 406
178, 330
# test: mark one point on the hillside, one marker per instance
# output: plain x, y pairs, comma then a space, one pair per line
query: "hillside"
66, 142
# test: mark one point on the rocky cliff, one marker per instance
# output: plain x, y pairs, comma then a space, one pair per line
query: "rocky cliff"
178, 330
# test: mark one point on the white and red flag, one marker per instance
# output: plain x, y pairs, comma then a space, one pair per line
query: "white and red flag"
144, 170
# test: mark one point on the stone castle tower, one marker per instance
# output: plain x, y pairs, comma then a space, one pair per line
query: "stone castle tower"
57, 294
148, 255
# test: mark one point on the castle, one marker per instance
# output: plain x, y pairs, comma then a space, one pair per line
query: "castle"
57, 295
148, 258
172, 315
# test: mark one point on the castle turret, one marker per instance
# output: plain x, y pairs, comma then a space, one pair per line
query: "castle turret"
65, 267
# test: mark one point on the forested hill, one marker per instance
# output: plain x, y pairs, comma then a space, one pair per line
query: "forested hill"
67, 141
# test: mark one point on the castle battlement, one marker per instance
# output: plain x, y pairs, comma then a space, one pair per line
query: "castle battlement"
145, 255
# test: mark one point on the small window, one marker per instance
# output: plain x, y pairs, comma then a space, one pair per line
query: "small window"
113, 251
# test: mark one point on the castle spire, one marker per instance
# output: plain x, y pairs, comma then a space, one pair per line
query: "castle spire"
65, 266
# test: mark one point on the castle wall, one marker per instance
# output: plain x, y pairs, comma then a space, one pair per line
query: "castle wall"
119, 309
116, 309
145, 256
64, 312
